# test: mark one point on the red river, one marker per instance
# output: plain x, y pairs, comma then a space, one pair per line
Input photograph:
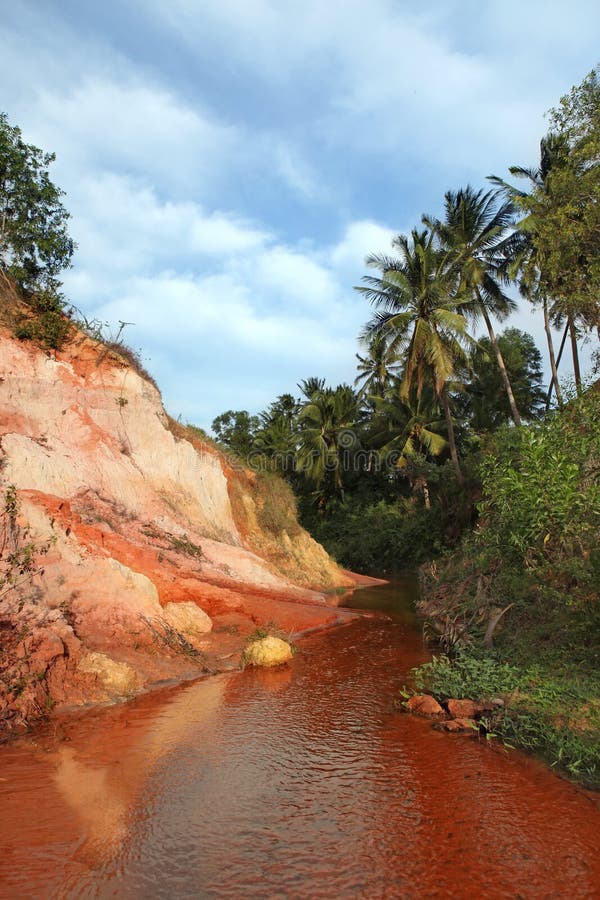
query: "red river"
304, 782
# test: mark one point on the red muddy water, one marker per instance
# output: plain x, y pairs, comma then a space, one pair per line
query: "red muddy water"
296, 783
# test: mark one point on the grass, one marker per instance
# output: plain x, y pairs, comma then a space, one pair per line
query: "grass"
550, 709
184, 545
271, 629
166, 636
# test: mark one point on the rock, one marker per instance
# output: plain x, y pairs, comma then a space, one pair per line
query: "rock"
116, 678
49, 648
464, 709
458, 725
424, 705
268, 651
187, 618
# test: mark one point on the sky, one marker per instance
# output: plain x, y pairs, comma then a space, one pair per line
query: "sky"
228, 164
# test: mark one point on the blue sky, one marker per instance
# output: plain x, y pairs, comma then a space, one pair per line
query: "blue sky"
229, 163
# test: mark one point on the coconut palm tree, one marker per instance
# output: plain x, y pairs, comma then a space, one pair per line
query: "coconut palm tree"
472, 231
417, 307
412, 432
326, 432
521, 251
377, 369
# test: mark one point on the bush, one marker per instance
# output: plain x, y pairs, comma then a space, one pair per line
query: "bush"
541, 508
379, 536
276, 504
546, 713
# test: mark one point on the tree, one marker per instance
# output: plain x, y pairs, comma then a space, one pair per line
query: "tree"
377, 368
326, 437
473, 228
487, 403
236, 429
277, 437
411, 435
418, 308
522, 259
566, 211
34, 243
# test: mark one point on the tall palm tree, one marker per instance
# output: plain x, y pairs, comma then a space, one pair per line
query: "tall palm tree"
377, 369
310, 386
418, 309
522, 256
326, 422
474, 226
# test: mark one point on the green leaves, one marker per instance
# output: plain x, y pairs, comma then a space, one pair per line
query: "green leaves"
34, 243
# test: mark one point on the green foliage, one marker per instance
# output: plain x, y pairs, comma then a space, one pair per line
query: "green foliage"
547, 712
34, 244
18, 553
326, 435
468, 676
486, 402
47, 323
236, 430
565, 209
184, 545
541, 507
379, 536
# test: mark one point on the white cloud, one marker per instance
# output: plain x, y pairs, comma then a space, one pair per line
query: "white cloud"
122, 226
360, 239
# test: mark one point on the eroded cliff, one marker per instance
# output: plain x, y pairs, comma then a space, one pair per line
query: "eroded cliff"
162, 554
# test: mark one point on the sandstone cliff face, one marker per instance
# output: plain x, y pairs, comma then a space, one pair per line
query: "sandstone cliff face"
140, 516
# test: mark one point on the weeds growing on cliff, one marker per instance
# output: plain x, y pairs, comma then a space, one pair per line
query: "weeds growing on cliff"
19, 555
166, 636
184, 545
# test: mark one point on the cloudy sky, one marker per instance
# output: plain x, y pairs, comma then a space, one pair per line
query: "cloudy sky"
229, 163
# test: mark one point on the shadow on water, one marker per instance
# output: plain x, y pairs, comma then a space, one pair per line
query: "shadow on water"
398, 598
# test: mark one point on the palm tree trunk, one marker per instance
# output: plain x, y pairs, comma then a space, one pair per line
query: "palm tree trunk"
426, 495
553, 365
575, 351
503, 373
451, 438
558, 359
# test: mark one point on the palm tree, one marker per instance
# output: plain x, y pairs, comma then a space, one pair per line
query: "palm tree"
377, 368
418, 309
326, 432
412, 432
472, 232
277, 436
310, 386
522, 255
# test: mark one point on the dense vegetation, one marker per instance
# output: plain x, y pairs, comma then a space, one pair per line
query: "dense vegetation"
387, 471
448, 448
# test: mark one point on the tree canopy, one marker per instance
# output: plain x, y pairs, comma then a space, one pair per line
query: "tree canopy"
565, 206
34, 242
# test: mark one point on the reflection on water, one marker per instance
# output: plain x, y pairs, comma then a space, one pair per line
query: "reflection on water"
301, 782
397, 597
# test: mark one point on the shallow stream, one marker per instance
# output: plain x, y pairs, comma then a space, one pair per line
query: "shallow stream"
303, 782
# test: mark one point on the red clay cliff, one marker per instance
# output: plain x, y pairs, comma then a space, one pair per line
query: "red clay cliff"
161, 558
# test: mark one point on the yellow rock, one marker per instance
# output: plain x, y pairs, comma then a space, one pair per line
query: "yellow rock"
268, 651
116, 678
188, 619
